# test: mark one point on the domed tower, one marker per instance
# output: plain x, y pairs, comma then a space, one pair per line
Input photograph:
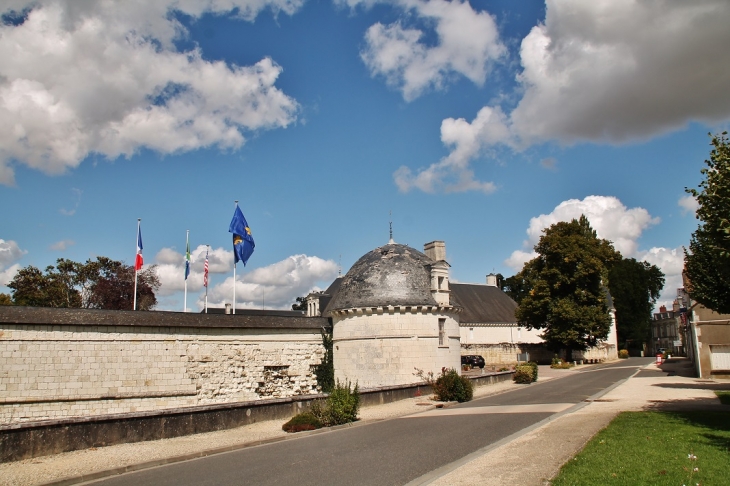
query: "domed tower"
392, 314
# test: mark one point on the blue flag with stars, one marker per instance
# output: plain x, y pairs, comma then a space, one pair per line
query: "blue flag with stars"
243, 244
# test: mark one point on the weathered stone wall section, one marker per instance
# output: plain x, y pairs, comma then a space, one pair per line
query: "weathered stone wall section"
71, 370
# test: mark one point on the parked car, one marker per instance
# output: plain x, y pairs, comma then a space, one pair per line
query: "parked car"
473, 360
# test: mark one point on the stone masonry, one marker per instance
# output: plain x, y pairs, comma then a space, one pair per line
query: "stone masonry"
68, 369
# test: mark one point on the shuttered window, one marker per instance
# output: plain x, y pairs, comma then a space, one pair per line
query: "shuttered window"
720, 357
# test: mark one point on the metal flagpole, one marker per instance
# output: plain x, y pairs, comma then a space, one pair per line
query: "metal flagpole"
207, 247
136, 251
234, 277
187, 266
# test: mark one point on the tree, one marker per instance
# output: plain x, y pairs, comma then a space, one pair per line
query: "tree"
53, 288
564, 291
5, 299
635, 287
707, 262
97, 284
516, 287
300, 304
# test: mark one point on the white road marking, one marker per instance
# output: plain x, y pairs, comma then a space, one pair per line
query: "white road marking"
532, 408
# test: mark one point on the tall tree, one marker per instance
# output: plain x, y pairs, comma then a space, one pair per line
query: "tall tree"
54, 288
97, 284
564, 291
635, 287
5, 299
707, 262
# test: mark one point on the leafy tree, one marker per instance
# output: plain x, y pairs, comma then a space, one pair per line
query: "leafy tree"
635, 287
5, 299
707, 262
300, 304
516, 287
97, 284
564, 287
53, 288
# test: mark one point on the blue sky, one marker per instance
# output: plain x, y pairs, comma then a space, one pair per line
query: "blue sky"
476, 123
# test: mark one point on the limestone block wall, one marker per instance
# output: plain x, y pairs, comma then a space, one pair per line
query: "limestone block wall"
56, 370
383, 346
505, 354
497, 333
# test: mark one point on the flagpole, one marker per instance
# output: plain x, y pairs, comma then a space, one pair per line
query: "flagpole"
234, 277
187, 266
207, 247
136, 245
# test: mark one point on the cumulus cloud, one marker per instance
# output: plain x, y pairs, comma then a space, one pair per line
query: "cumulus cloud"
468, 42
611, 71
612, 221
275, 286
76, 80
688, 204
62, 245
171, 268
10, 253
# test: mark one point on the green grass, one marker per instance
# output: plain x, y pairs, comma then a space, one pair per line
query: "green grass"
659, 448
724, 397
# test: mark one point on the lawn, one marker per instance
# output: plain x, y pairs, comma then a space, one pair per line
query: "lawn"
662, 448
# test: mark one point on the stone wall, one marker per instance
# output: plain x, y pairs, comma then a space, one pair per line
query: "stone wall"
57, 363
383, 346
505, 354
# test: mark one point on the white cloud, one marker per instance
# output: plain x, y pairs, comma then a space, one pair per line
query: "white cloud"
76, 80
688, 204
275, 286
468, 41
171, 268
612, 221
671, 263
10, 253
77, 201
611, 71
452, 173
61, 245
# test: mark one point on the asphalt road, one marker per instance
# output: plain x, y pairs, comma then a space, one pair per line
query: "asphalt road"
390, 452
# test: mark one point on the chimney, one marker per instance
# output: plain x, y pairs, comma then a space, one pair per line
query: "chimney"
228, 308
663, 309
492, 280
435, 250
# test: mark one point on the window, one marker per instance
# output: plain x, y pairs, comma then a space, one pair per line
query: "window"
442, 332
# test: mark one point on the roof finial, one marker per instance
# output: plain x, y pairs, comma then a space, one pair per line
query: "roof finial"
390, 241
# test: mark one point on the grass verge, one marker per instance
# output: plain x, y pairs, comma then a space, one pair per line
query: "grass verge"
724, 397
687, 448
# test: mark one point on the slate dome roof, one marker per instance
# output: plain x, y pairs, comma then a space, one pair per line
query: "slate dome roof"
392, 274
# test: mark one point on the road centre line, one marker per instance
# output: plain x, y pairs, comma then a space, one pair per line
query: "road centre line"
531, 408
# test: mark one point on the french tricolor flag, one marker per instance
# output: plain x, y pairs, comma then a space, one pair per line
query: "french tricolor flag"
138, 261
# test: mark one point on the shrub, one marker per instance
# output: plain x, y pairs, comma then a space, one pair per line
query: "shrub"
534, 370
523, 374
556, 361
341, 406
302, 421
623, 354
451, 386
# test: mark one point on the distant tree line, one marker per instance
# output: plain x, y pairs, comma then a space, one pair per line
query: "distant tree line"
102, 283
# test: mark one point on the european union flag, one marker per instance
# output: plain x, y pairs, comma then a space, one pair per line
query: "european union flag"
243, 244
